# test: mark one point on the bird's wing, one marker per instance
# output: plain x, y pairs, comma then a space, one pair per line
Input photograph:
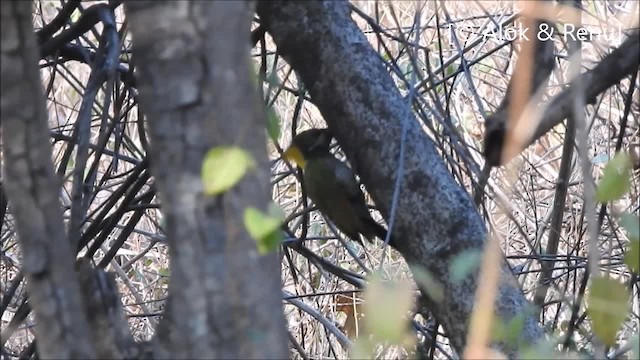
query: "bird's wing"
354, 216
332, 191
347, 181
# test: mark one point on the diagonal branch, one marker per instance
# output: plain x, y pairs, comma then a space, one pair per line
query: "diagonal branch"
436, 220
613, 68
620, 63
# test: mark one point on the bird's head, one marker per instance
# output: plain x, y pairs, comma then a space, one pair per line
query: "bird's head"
308, 144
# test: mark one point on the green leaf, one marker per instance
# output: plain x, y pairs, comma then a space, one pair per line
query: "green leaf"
254, 70
71, 163
223, 167
607, 308
269, 243
315, 229
264, 228
386, 306
451, 69
275, 210
632, 256
464, 264
616, 179
635, 347
509, 331
273, 124
272, 78
632, 225
545, 348
427, 283
362, 348
406, 68
164, 272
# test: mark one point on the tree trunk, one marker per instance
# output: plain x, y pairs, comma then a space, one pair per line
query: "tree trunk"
196, 92
32, 189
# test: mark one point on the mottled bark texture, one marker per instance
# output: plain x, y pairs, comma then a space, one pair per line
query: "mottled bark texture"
197, 93
31, 186
110, 331
436, 219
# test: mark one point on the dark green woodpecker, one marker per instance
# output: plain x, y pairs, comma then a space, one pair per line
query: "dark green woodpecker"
331, 185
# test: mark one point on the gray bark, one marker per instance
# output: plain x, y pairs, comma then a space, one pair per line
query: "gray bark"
110, 331
435, 220
196, 91
31, 184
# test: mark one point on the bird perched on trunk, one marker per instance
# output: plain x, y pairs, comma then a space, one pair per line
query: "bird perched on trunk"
331, 185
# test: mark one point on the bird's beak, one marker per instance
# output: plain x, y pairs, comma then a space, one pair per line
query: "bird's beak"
294, 154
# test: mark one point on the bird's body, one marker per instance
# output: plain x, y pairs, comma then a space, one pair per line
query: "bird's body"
332, 186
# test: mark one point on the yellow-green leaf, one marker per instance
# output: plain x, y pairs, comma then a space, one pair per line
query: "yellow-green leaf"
635, 347
451, 69
509, 331
275, 210
607, 308
386, 306
273, 124
632, 225
223, 167
464, 264
269, 243
264, 228
362, 348
272, 78
632, 255
428, 283
164, 272
545, 348
616, 178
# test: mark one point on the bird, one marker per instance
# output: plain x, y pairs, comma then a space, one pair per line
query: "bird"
332, 186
